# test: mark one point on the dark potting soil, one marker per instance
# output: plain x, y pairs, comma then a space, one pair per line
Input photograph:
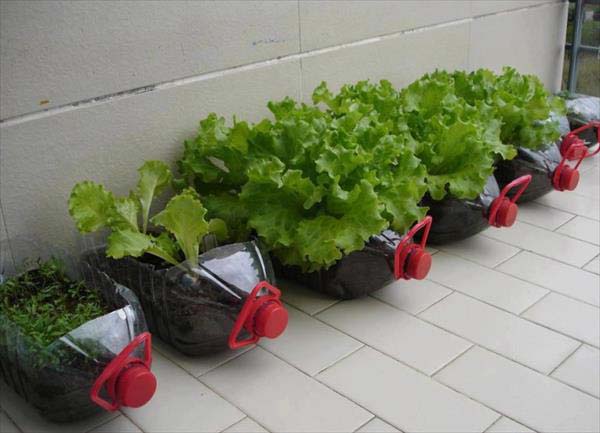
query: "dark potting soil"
355, 275
56, 378
455, 219
540, 164
191, 313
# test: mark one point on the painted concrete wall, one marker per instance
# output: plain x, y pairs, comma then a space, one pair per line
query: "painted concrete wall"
89, 90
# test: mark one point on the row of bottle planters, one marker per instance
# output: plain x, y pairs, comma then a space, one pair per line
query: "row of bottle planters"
229, 300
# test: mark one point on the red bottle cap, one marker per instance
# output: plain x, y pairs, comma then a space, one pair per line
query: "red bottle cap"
135, 386
507, 213
569, 178
271, 320
419, 263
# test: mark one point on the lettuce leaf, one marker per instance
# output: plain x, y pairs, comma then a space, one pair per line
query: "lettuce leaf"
155, 176
91, 206
94, 208
519, 101
314, 187
183, 216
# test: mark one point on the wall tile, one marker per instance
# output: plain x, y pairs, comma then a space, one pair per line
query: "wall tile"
400, 59
483, 7
328, 23
531, 40
64, 52
42, 159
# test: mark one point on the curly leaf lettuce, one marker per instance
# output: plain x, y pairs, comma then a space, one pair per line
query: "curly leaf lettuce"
315, 187
184, 218
93, 208
155, 176
519, 101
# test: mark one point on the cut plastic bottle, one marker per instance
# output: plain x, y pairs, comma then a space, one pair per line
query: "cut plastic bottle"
104, 364
455, 219
227, 300
386, 257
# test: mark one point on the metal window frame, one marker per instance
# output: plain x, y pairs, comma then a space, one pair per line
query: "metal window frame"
576, 46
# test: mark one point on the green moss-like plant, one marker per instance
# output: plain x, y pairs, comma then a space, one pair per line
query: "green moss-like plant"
46, 304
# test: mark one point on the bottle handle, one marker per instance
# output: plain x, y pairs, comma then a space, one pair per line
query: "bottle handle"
110, 373
405, 246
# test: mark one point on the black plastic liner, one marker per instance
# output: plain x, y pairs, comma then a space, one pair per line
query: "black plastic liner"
57, 379
455, 219
362, 272
540, 164
195, 310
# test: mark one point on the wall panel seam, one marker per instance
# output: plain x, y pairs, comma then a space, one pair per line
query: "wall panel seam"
97, 100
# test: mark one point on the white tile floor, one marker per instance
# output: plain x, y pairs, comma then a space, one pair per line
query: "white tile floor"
502, 337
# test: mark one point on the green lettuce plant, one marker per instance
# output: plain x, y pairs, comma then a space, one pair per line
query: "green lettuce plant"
182, 220
46, 304
312, 187
455, 141
519, 101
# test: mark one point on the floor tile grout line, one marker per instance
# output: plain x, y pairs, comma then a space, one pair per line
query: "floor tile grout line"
566, 222
210, 388
132, 421
473, 343
476, 298
314, 378
564, 210
579, 239
531, 251
533, 305
494, 423
361, 426
451, 360
337, 361
510, 312
436, 302
489, 407
515, 276
558, 379
323, 310
520, 250
566, 359
591, 260
235, 423
420, 317
547, 288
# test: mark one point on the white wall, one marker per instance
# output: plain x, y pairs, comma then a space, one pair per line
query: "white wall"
89, 90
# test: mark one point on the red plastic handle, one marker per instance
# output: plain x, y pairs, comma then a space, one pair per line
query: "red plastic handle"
251, 305
521, 182
109, 375
570, 156
404, 246
571, 142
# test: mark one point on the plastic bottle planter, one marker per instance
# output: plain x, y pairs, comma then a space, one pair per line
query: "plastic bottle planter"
103, 364
228, 300
579, 142
548, 169
385, 257
581, 110
455, 219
